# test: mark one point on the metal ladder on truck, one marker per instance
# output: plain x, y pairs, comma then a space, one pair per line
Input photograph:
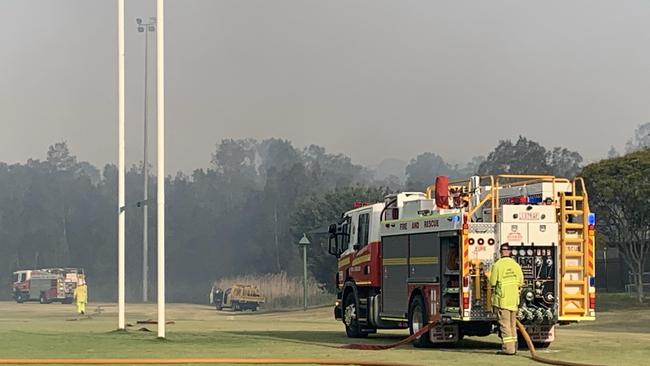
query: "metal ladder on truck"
576, 250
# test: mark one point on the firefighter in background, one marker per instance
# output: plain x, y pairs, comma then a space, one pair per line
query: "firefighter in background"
81, 296
506, 279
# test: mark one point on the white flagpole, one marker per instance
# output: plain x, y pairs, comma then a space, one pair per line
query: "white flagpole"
120, 164
160, 57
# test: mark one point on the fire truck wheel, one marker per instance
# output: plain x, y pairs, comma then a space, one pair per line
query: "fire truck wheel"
350, 317
43, 300
417, 321
20, 299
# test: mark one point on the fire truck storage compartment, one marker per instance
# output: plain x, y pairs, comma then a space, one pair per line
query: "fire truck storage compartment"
409, 259
45, 285
451, 276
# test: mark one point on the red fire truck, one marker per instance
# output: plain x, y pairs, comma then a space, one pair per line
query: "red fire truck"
418, 258
46, 285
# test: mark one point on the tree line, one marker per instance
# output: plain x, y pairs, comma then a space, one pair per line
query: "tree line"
244, 214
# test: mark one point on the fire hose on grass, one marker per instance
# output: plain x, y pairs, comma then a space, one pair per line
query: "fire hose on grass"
379, 347
181, 361
534, 356
425, 329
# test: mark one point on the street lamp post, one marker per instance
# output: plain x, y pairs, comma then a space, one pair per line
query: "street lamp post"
145, 28
304, 242
605, 262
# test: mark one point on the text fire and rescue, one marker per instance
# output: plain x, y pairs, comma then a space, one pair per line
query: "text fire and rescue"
416, 225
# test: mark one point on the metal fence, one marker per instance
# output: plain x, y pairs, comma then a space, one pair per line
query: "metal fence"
631, 287
613, 274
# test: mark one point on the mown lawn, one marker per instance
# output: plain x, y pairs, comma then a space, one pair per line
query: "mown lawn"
620, 336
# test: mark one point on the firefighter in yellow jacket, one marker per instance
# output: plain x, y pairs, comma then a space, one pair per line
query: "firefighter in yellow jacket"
81, 296
506, 279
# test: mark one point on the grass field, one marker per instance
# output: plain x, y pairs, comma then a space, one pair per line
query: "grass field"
620, 336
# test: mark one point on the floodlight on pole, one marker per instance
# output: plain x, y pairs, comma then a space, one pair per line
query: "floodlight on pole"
160, 58
145, 28
120, 165
304, 242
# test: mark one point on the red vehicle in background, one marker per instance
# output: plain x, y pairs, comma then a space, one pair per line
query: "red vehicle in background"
46, 285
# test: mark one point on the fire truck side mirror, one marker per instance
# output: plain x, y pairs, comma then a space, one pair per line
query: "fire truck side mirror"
333, 247
333, 240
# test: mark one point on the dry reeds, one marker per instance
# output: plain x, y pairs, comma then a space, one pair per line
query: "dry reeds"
281, 290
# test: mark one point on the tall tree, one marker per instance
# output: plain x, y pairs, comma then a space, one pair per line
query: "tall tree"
470, 168
612, 153
619, 189
563, 162
529, 157
330, 171
280, 161
64, 165
524, 156
59, 157
277, 154
422, 171
640, 140
234, 161
391, 183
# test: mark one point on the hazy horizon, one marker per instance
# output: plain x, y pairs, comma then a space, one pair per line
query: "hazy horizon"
369, 79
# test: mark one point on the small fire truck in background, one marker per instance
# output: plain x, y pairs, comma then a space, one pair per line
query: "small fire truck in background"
418, 258
237, 297
46, 285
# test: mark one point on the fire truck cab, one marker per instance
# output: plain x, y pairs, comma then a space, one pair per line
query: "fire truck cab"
418, 258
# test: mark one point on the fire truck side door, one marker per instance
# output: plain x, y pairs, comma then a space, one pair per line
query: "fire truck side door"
424, 261
395, 275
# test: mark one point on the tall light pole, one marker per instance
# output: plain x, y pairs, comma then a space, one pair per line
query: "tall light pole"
145, 28
160, 202
304, 242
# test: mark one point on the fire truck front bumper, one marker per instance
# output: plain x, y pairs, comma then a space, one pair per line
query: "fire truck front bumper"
338, 312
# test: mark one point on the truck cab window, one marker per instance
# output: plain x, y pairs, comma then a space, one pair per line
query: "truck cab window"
362, 233
345, 239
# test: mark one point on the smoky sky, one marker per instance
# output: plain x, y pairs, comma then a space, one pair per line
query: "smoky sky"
370, 79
